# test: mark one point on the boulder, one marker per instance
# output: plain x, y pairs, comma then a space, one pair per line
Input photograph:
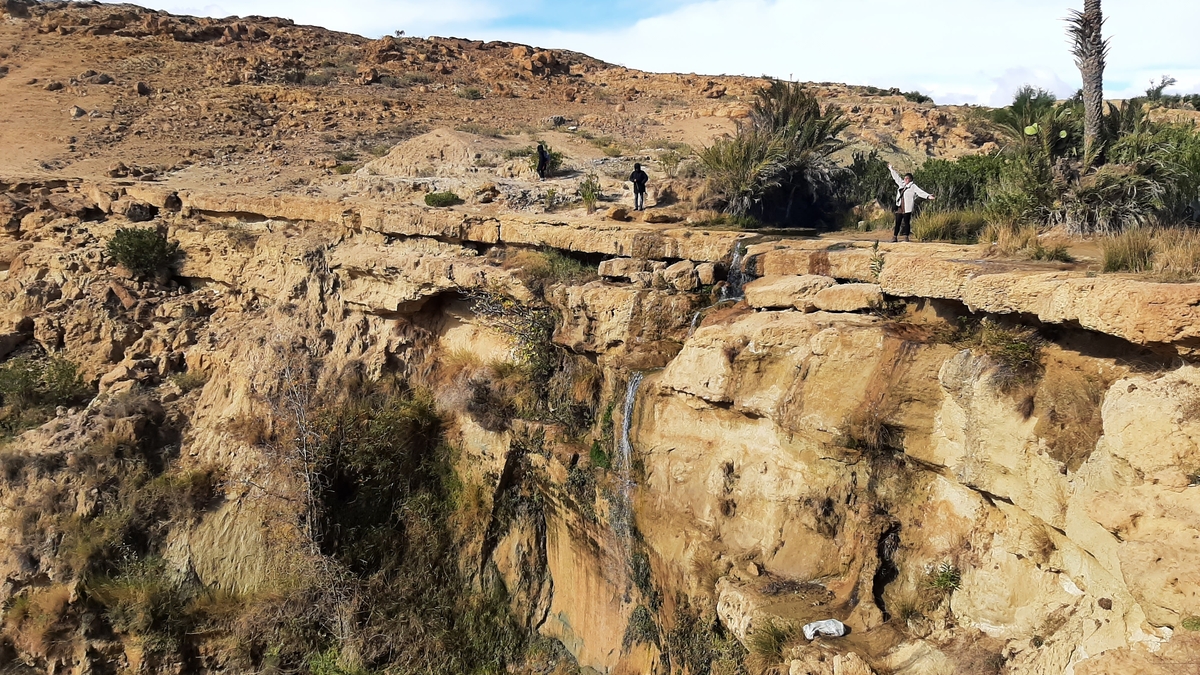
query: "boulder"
787, 292
76, 112
682, 276
707, 273
623, 268
74, 205
618, 213
143, 89
849, 298
135, 210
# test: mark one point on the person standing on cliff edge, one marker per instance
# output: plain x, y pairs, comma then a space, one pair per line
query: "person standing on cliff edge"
543, 161
905, 202
639, 180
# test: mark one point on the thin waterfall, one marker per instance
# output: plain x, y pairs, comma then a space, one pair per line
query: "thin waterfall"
622, 516
735, 280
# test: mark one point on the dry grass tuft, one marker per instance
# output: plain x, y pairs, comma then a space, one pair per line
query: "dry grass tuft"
1026, 242
1168, 254
953, 226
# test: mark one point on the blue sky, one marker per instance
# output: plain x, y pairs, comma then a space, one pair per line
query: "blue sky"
959, 51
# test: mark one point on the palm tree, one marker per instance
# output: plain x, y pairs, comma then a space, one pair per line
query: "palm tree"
1090, 50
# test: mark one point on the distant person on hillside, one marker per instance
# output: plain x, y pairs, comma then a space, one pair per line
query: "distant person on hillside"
543, 157
905, 202
639, 180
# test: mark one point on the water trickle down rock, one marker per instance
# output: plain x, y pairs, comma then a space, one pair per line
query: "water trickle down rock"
736, 281
623, 509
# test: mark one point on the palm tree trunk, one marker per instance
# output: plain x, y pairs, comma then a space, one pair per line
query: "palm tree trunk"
1090, 50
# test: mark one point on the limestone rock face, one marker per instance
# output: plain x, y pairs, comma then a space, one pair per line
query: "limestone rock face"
849, 298
797, 292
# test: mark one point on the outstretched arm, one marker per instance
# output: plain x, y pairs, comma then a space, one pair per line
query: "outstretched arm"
921, 193
896, 176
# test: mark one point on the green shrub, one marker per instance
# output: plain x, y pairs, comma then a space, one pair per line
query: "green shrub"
590, 192
946, 578
553, 166
345, 155
783, 151
599, 457
442, 199
960, 184
519, 153
19, 381
670, 161
344, 169
143, 251
917, 97
952, 226
25, 383
1191, 623
641, 629
470, 93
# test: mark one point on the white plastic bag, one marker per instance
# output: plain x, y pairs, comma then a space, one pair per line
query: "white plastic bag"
828, 628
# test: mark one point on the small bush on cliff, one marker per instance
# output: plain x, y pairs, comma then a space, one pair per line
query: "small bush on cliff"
768, 640
143, 251
641, 629
1191, 623
545, 267
1017, 352
30, 389
442, 199
945, 578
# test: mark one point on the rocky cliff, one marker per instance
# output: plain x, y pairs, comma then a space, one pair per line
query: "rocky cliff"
977, 466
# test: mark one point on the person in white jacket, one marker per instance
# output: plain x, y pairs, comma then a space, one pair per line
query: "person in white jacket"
905, 202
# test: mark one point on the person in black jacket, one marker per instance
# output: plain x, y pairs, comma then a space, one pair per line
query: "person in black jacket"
639, 180
543, 164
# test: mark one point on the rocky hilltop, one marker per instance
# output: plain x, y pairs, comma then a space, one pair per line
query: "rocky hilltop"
612, 444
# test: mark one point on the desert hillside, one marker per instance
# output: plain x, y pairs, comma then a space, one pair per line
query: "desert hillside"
304, 369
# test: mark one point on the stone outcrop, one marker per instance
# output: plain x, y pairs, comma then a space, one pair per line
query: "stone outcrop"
826, 448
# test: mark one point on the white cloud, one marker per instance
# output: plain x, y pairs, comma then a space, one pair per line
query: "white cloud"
372, 18
974, 51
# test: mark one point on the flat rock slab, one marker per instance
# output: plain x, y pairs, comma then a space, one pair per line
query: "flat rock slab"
795, 292
849, 298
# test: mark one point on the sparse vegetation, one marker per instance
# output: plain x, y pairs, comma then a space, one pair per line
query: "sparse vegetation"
670, 161
545, 267
480, 130
768, 640
442, 199
590, 192
470, 93
143, 251
1191, 623
870, 429
641, 629
189, 381
953, 226
945, 578
1170, 254
30, 390
344, 169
